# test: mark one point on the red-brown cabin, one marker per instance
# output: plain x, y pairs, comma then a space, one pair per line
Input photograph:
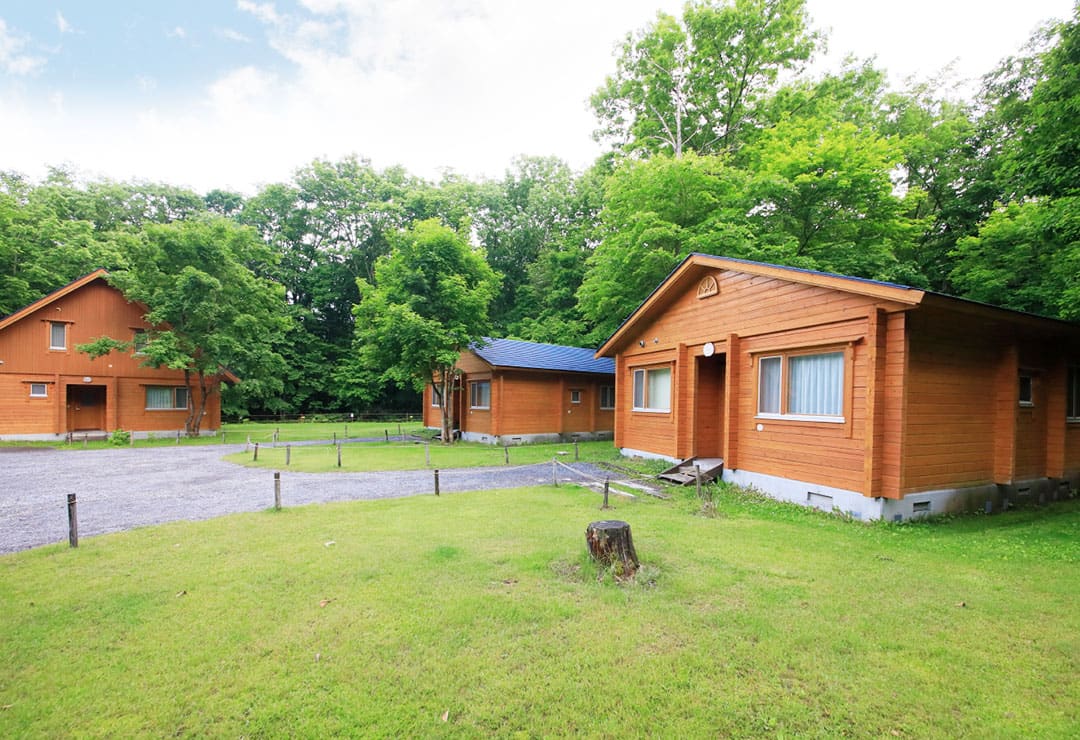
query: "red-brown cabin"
512, 392
49, 390
874, 399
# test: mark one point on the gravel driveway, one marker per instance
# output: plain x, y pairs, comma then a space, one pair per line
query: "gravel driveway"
126, 488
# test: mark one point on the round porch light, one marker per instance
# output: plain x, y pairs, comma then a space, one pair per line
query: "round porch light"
709, 349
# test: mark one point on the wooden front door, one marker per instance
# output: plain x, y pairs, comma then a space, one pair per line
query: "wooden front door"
85, 408
709, 407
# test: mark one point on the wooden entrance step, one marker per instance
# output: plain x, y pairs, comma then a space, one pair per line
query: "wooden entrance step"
683, 472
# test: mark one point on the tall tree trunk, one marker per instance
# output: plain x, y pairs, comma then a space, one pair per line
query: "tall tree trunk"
447, 381
204, 392
190, 420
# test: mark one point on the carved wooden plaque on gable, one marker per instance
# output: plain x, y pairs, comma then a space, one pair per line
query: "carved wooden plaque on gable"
708, 287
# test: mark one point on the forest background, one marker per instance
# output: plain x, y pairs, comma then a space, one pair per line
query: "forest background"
718, 141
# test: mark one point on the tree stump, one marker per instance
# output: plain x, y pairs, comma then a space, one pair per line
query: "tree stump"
610, 543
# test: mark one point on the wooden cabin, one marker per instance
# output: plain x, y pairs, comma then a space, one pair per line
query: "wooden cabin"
49, 390
512, 392
874, 399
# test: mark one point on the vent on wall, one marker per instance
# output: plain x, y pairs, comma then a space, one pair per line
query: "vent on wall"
819, 500
921, 507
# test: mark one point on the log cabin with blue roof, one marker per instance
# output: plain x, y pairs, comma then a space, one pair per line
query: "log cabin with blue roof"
509, 391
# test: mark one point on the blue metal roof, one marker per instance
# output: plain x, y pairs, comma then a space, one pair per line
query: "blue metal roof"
535, 356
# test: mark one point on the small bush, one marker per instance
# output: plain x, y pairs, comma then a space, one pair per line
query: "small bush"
119, 438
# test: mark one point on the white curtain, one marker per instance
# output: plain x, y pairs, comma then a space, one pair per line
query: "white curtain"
660, 389
816, 384
769, 385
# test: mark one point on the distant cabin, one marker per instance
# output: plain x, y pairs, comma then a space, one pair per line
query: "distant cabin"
49, 390
510, 392
869, 398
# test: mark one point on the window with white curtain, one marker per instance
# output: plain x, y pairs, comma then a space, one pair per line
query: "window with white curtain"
57, 335
166, 398
480, 394
652, 389
802, 386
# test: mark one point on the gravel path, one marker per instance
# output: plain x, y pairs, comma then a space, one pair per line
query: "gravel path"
124, 488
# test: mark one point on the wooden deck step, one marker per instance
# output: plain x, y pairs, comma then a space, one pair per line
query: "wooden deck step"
683, 472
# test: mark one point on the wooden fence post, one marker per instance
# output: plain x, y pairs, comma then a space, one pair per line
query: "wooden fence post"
73, 521
256, 455
277, 491
506, 454
554, 472
339, 455
697, 479
436, 481
576, 458
288, 454
607, 484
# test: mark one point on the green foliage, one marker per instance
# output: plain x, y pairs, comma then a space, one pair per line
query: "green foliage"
430, 301
119, 438
208, 309
696, 85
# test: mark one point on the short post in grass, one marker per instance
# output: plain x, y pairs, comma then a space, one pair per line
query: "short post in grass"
506, 454
339, 455
255, 457
346, 431
607, 485
84, 439
288, 454
177, 436
276, 433
554, 472
387, 433
400, 433
277, 491
697, 479
436, 481
335, 437
73, 521
576, 456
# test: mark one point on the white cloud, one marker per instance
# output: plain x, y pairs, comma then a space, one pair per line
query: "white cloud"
263, 11
146, 83
177, 32
232, 35
62, 23
13, 59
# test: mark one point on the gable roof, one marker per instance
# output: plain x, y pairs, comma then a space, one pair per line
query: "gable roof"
51, 297
696, 264
514, 353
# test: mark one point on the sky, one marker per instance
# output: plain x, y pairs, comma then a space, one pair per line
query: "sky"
237, 94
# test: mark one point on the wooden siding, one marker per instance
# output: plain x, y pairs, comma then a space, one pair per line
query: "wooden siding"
752, 315
90, 311
526, 402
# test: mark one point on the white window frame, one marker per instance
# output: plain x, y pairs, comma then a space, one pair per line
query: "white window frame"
607, 394
44, 392
641, 382
139, 341
473, 384
436, 401
176, 392
575, 395
52, 335
783, 388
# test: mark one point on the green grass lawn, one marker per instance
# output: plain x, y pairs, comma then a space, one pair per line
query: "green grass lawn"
368, 456
479, 614
307, 430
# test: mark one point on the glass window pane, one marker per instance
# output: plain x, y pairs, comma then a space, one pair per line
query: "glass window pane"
158, 397
769, 385
659, 389
57, 335
181, 398
816, 384
639, 389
